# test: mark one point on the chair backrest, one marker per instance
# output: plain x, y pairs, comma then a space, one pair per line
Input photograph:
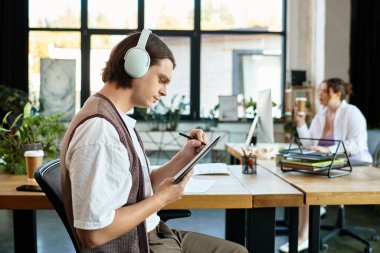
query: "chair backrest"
374, 145
48, 176
373, 140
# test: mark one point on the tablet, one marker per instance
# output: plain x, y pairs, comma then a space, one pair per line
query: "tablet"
179, 176
29, 188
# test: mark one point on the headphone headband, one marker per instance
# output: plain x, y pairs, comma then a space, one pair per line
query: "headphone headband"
144, 36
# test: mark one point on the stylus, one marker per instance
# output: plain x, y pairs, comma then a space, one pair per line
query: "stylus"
191, 138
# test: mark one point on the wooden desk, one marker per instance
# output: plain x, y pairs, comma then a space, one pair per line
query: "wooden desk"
268, 192
235, 149
362, 187
226, 193
23, 205
289, 200
237, 193
17, 200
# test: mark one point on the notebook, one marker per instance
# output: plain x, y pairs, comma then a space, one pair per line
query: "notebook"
306, 154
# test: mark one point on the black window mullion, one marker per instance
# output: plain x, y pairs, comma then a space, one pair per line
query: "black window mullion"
85, 54
195, 63
283, 63
140, 14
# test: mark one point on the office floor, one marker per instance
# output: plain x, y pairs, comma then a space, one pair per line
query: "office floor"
52, 236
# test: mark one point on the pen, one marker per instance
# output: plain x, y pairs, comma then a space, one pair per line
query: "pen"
191, 138
245, 153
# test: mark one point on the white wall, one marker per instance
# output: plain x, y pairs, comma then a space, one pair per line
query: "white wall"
337, 38
318, 36
299, 37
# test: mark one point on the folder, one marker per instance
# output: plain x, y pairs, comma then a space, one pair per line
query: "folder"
312, 165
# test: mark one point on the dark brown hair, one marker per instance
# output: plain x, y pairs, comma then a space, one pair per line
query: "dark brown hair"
114, 70
338, 85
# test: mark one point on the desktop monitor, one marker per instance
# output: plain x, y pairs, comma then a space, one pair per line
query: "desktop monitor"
264, 109
263, 119
251, 131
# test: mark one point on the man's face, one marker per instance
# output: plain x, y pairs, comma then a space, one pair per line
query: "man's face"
148, 89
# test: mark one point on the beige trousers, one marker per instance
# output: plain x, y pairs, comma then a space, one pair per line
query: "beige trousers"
165, 240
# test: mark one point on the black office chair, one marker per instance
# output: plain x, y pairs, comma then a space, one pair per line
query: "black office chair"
49, 178
166, 215
341, 229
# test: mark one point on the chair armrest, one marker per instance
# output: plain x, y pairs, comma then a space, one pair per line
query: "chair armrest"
173, 214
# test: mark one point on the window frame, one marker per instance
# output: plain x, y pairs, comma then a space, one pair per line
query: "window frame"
195, 49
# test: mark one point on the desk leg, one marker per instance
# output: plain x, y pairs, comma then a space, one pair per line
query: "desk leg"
314, 228
261, 229
234, 161
293, 229
282, 226
235, 225
24, 230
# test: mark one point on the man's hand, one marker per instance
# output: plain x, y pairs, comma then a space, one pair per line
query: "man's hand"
192, 147
169, 192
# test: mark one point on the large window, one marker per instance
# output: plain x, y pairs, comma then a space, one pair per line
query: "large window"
241, 65
222, 47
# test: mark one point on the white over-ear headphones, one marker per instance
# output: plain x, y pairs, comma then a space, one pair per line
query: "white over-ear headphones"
137, 59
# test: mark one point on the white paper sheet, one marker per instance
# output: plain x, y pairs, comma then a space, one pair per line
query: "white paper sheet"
198, 185
211, 169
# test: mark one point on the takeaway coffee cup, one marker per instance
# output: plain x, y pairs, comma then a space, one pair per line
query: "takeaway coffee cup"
33, 160
301, 105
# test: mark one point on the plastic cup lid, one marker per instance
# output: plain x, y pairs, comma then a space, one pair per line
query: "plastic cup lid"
33, 153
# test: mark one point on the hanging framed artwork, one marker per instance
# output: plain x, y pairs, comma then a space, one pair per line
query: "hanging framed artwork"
228, 108
57, 90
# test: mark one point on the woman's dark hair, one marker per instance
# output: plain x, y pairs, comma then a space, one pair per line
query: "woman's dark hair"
338, 85
114, 70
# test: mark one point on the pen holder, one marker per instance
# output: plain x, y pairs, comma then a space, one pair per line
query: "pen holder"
248, 164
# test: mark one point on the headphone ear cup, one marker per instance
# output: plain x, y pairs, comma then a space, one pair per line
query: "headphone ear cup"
136, 62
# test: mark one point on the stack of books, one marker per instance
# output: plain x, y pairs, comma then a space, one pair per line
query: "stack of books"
312, 165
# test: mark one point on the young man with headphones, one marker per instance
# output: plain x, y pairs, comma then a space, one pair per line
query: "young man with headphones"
111, 196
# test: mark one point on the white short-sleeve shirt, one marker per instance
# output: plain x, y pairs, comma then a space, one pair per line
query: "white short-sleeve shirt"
98, 164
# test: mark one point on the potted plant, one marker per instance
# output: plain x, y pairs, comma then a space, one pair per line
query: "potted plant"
151, 117
38, 130
173, 112
213, 119
164, 114
12, 100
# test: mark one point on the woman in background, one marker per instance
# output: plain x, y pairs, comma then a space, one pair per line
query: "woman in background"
337, 120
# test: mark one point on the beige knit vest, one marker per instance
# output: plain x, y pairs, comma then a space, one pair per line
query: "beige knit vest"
99, 106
